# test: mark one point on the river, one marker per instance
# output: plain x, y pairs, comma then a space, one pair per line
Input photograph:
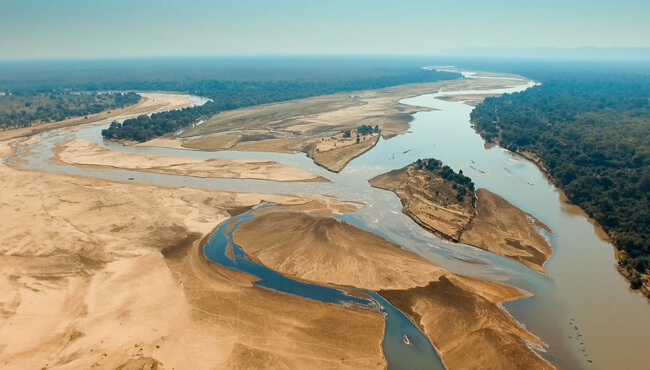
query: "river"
582, 309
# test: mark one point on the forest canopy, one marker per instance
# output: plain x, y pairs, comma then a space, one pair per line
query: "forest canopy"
591, 131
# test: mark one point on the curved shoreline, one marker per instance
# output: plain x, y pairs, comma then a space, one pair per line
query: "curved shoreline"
598, 230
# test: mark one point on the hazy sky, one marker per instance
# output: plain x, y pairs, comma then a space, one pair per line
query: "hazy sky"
133, 28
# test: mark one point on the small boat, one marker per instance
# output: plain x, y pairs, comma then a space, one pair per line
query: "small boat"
406, 340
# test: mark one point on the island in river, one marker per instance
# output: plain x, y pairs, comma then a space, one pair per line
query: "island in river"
305, 125
459, 315
445, 203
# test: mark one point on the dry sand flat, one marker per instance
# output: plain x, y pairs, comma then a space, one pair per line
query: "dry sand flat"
81, 152
307, 120
99, 277
504, 229
495, 225
146, 105
460, 315
337, 112
325, 250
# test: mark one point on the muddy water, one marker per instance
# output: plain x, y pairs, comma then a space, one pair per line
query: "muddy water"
583, 309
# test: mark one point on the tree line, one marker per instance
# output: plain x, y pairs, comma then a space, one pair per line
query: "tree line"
25, 109
592, 134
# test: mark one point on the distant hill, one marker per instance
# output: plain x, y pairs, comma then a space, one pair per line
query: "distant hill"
548, 53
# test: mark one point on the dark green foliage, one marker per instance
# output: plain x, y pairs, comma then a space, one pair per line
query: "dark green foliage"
636, 282
25, 109
347, 133
462, 184
592, 132
367, 130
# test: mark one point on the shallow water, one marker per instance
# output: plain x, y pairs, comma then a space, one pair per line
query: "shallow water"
582, 289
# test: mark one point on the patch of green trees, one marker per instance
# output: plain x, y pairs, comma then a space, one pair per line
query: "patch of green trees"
463, 185
367, 130
25, 109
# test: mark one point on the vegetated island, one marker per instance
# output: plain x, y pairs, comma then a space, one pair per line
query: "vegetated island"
446, 203
590, 133
461, 316
335, 152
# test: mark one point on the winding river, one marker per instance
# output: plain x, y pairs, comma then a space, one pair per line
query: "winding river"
582, 309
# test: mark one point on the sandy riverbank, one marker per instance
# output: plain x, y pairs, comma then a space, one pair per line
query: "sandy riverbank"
460, 315
81, 152
146, 105
494, 224
501, 228
100, 273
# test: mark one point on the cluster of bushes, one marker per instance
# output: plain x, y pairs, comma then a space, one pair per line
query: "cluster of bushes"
463, 185
592, 133
362, 130
22, 110
367, 130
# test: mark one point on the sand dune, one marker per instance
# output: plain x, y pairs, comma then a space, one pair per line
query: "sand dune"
99, 273
460, 315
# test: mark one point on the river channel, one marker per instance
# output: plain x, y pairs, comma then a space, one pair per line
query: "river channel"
583, 309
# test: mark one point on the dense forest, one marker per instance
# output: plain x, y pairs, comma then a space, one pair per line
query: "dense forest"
227, 95
591, 131
462, 184
24, 109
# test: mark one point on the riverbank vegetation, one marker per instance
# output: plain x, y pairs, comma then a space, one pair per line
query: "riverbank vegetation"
590, 132
25, 109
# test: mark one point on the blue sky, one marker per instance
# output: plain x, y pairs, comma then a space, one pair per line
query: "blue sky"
140, 28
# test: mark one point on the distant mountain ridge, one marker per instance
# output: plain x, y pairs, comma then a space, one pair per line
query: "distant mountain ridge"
551, 53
